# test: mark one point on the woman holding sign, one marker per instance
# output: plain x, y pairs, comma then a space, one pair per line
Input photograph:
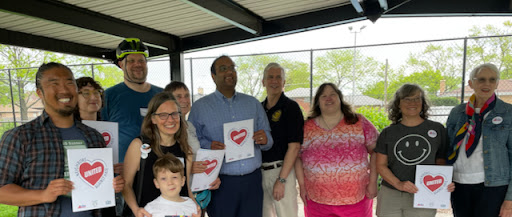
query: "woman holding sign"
480, 133
410, 140
164, 131
333, 171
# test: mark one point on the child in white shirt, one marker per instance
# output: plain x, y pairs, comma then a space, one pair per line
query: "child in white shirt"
169, 178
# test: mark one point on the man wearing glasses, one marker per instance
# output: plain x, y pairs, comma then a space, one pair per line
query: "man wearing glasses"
240, 193
127, 102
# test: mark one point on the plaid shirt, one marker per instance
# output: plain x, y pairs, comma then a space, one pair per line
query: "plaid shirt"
32, 155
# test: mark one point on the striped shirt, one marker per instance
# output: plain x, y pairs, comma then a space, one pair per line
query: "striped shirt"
32, 155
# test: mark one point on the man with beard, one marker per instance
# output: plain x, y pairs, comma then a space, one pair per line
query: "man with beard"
127, 102
32, 156
240, 192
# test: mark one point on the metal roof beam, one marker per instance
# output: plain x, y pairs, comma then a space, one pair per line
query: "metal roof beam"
231, 13
79, 17
50, 44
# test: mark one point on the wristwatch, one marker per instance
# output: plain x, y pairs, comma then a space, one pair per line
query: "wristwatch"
281, 179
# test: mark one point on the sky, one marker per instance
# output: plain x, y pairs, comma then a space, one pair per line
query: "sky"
385, 30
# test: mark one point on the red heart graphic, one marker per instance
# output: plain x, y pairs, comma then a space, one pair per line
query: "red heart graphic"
106, 137
238, 136
433, 183
92, 173
210, 166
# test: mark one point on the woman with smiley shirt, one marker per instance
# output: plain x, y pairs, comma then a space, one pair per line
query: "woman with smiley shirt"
410, 140
480, 134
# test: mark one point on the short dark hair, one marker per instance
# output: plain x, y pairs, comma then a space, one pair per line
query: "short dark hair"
45, 67
174, 85
212, 68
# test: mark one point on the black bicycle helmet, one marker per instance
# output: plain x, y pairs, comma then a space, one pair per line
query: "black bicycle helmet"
131, 46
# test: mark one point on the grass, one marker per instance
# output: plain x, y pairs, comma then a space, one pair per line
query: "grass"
8, 211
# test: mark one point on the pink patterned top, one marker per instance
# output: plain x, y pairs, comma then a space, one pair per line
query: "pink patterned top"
336, 166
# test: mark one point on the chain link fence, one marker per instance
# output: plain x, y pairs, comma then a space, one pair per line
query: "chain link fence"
367, 75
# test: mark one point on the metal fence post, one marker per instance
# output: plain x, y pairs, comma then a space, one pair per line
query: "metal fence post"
463, 69
191, 80
311, 76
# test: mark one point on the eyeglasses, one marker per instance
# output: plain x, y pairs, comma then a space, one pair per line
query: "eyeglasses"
412, 100
88, 93
224, 68
484, 80
163, 116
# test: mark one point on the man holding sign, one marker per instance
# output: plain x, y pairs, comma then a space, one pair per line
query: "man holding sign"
32, 155
240, 193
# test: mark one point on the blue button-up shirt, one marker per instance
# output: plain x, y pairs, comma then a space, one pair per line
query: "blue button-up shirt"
209, 114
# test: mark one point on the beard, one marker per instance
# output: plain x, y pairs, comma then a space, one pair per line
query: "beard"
66, 112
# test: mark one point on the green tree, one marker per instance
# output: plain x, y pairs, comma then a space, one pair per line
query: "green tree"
337, 66
250, 73
17, 60
17, 63
497, 50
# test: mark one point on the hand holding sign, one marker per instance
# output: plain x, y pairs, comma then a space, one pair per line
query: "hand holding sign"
212, 159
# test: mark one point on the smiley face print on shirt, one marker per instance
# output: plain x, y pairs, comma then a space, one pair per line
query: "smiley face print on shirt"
412, 149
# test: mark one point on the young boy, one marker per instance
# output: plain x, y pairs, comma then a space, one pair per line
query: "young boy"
169, 178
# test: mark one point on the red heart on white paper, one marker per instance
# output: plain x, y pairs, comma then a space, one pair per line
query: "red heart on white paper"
238, 136
92, 173
433, 182
210, 166
106, 137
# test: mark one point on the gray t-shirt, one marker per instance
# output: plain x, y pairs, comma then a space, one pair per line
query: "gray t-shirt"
407, 147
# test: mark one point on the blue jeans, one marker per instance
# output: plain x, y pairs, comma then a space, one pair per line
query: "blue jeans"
476, 200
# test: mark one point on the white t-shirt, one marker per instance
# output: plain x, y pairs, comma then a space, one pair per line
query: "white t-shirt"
160, 207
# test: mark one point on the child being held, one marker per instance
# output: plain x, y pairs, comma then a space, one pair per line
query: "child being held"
169, 178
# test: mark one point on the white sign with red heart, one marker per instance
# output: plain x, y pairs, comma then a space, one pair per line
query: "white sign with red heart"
109, 132
212, 159
238, 140
91, 171
432, 182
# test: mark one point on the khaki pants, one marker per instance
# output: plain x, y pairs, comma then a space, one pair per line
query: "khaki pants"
287, 206
394, 203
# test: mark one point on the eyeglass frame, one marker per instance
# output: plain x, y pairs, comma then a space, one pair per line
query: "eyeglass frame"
167, 115
484, 80
88, 93
224, 68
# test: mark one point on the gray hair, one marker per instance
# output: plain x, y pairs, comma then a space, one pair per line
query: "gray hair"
274, 65
479, 68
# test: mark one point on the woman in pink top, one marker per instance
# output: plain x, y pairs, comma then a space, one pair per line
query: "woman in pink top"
334, 174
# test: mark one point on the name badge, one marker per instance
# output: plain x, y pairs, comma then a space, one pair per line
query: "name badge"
497, 120
143, 111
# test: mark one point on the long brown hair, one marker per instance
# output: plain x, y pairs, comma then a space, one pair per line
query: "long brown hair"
346, 109
150, 130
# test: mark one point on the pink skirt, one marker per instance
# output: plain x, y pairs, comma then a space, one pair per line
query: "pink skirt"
363, 208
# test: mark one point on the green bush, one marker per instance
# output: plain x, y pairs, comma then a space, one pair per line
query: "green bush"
444, 101
378, 116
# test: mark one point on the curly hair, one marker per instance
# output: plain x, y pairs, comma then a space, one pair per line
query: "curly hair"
82, 82
346, 109
406, 90
150, 130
